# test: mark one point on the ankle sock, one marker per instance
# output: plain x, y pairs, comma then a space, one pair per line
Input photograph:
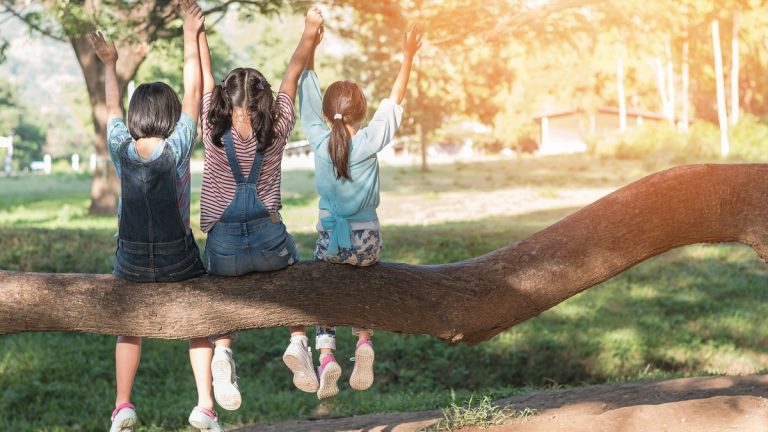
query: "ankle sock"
223, 349
303, 339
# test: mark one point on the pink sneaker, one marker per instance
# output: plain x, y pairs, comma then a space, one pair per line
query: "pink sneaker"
329, 373
362, 374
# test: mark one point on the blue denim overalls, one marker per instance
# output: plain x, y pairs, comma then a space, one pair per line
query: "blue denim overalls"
247, 238
153, 245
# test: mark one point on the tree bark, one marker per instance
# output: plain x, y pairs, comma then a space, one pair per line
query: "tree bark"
468, 301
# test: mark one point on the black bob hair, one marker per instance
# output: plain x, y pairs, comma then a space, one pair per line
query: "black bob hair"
153, 111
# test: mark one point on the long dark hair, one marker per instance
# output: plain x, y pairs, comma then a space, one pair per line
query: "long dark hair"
343, 104
153, 111
248, 89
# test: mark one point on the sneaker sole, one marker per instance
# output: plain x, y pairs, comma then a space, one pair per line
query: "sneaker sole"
304, 377
226, 394
362, 374
329, 381
126, 425
202, 426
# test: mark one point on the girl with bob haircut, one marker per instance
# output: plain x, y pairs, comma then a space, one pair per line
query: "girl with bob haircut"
150, 151
347, 176
245, 130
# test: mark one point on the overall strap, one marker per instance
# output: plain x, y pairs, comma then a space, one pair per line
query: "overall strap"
229, 146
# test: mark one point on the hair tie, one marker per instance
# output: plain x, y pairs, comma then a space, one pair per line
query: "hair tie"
338, 117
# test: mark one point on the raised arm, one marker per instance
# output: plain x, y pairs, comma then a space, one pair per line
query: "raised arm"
193, 23
411, 44
108, 55
311, 59
312, 24
205, 62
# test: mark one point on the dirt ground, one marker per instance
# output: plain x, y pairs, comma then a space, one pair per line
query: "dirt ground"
706, 404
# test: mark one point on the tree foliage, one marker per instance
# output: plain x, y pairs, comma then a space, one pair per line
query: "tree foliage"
18, 120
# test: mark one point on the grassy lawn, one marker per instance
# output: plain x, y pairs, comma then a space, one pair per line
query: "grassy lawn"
692, 311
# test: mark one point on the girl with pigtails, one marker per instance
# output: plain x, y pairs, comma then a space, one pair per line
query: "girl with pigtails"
347, 176
245, 130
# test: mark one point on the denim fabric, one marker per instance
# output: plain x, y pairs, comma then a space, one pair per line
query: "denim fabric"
325, 336
247, 238
153, 244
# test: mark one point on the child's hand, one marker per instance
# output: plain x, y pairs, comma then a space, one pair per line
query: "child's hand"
412, 42
194, 19
319, 35
106, 51
314, 19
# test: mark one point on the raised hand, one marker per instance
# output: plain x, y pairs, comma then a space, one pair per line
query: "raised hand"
314, 19
106, 51
194, 17
412, 42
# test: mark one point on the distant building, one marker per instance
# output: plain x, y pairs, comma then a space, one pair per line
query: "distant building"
564, 132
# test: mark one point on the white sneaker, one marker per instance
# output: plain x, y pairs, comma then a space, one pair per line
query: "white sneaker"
225, 389
362, 374
329, 373
123, 418
205, 420
298, 358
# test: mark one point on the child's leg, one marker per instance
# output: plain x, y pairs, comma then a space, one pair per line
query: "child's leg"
298, 358
200, 355
127, 357
362, 374
225, 388
329, 371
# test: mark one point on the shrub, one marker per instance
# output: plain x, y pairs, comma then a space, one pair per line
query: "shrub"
749, 139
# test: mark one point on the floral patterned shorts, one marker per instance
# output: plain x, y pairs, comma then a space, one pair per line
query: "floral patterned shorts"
365, 251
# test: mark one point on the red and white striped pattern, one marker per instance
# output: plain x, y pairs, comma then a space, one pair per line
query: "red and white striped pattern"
218, 182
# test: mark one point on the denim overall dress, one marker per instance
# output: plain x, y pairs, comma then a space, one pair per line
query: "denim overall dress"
153, 244
247, 238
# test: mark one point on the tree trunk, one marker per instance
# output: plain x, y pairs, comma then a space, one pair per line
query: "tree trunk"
722, 113
686, 85
671, 114
735, 70
106, 185
661, 84
620, 90
468, 301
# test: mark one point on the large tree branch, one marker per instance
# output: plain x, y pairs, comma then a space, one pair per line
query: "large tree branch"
7, 6
468, 301
522, 18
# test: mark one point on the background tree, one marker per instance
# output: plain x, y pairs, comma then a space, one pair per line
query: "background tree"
134, 27
19, 121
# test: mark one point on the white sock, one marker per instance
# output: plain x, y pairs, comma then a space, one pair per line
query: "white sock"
303, 339
223, 349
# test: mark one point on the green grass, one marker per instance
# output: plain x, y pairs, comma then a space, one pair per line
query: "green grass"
694, 311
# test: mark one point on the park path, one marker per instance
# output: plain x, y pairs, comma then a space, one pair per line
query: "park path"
703, 404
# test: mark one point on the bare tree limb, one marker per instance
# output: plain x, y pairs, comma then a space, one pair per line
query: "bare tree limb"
34, 26
468, 301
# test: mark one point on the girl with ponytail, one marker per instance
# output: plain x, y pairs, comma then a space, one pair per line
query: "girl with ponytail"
347, 175
245, 130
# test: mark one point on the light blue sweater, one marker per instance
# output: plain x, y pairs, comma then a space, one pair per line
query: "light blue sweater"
346, 200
